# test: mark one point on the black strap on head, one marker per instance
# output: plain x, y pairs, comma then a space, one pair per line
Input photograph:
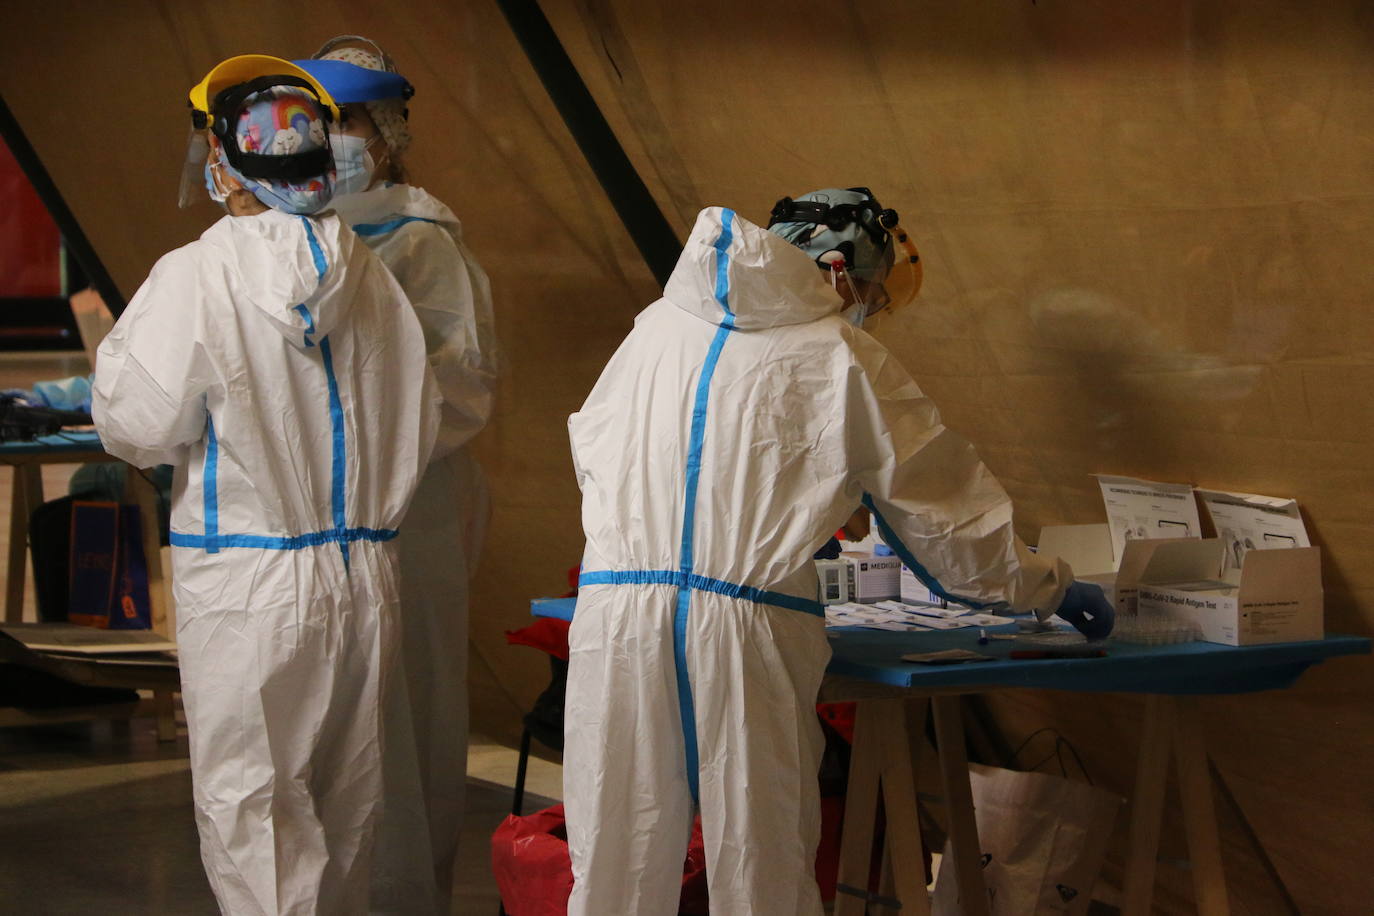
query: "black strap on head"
868, 214
290, 167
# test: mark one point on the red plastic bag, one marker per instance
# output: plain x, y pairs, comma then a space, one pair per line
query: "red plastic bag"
547, 634
839, 716
529, 857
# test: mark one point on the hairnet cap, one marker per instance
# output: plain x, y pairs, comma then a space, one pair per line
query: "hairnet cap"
280, 122
285, 124
351, 84
389, 113
246, 67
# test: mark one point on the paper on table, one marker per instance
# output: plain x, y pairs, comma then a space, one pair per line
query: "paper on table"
925, 610
874, 618
894, 615
1146, 509
1246, 522
986, 620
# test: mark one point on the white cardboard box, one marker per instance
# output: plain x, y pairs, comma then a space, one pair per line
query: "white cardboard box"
914, 590
875, 578
835, 578
1276, 596
1246, 522
1088, 549
1147, 510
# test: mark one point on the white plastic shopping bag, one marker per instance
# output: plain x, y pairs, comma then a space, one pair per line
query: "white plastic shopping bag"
1043, 841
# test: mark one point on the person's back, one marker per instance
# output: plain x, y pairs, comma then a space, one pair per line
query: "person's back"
759, 386
298, 349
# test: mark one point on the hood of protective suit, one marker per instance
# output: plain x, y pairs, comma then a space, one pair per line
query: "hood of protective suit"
280, 261
770, 284
391, 201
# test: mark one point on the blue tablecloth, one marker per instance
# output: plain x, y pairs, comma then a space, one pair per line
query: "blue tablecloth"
82, 441
1189, 668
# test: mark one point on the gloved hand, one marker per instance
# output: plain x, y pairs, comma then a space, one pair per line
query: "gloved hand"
1087, 608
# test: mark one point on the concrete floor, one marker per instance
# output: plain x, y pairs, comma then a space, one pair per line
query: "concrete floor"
97, 818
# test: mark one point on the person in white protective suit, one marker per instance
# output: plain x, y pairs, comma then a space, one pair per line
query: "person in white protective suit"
421, 241
276, 364
739, 424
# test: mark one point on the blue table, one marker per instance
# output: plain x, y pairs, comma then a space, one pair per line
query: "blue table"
892, 698
82, 441
1190, 668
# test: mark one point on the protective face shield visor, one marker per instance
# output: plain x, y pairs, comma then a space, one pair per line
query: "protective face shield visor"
848, 233
215, 102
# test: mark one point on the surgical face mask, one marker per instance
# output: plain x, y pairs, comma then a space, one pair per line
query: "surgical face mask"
353, 163
305, 197
293, 199
212, 186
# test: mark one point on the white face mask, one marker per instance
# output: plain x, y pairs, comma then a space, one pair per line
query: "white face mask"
353, 164
216, 193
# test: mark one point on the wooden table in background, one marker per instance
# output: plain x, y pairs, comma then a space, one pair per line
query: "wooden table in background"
26, 495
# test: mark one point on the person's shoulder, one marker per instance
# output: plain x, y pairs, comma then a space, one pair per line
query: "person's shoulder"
195, 256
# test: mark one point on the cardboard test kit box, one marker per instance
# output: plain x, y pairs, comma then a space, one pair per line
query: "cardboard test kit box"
1275, 596
874, 578
1088, 549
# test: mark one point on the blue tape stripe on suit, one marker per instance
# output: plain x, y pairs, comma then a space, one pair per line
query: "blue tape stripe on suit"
316, 252
338, 461
701, 583
210, 487
309, 323
904, 553
294, 542
339, 454
686, 705
389, 225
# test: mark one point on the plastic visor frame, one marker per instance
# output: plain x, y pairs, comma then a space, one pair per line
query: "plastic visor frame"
247, 68
902, 283
904, 280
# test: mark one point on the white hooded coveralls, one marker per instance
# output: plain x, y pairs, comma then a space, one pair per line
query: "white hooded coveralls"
425, 764
277, 365
739, 424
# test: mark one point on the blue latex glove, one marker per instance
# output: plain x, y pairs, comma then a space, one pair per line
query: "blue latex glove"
1087, 608
66, 393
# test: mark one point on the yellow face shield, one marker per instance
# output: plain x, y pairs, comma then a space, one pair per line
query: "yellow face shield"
903, 281
236, 71
243, 69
